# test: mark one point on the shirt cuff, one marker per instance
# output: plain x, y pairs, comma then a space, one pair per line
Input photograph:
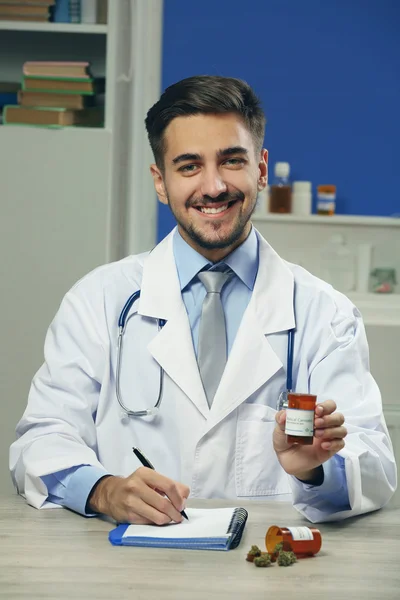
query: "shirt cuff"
334, 478
79, 487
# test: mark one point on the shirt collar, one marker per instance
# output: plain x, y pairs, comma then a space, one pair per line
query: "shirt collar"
243, 260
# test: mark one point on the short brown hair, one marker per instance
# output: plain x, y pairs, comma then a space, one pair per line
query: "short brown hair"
204, 94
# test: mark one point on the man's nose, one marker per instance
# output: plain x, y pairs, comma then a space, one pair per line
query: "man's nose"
212, 184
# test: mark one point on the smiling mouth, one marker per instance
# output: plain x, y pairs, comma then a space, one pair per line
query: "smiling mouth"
213, 210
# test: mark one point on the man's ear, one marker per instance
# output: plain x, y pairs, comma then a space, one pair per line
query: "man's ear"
159, 184
263, 169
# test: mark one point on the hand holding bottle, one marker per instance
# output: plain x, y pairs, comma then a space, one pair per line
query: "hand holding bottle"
304, 461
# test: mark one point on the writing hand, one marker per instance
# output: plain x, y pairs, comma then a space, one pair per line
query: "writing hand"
143, 497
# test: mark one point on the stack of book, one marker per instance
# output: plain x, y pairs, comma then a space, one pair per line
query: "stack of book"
58, 94
26, 10
80, 11
59, 11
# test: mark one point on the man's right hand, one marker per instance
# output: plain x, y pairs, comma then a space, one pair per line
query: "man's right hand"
144, 497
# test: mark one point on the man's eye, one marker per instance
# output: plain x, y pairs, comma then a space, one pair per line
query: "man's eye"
187, 168
235, 161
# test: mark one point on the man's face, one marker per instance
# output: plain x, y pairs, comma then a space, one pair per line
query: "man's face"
210, 181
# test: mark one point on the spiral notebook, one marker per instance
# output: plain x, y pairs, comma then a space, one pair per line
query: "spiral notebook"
206, 529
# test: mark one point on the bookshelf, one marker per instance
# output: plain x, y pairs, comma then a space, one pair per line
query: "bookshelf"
53, 27
129, 44
71, 199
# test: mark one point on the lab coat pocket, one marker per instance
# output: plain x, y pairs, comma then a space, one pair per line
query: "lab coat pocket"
258, 472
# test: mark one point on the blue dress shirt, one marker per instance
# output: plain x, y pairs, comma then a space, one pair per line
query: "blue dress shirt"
235, 294
71, 487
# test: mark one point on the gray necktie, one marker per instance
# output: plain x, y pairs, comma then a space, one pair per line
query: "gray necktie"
211, 356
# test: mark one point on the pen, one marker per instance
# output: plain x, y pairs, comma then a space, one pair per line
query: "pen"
146, 463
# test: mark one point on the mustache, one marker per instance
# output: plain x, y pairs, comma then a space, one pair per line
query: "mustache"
206, 201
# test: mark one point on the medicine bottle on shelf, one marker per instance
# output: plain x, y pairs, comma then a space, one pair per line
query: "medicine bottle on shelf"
326, 199
280, 194
301, 198
300, 418
303, 541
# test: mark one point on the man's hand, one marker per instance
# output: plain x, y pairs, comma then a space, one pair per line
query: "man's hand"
303, 461
140, 498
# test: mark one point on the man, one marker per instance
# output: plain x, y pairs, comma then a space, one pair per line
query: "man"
224, 296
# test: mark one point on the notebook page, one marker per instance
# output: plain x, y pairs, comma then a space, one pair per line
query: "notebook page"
208, 522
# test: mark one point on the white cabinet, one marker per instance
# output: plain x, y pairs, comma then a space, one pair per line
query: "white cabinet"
71, 199
127, 51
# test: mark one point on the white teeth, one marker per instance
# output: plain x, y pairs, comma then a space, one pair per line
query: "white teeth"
213, 211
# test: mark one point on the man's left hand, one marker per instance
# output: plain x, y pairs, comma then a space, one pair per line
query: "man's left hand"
303, 461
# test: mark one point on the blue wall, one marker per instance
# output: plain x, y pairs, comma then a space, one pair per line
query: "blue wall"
328, 74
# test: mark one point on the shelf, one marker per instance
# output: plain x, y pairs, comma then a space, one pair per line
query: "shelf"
53, 27
352, 220
10, 132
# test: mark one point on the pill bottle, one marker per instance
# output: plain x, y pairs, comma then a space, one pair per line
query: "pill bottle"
303, 541
302, 198
326, 199
300, 418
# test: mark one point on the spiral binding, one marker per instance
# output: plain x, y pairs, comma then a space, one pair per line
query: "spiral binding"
236, 526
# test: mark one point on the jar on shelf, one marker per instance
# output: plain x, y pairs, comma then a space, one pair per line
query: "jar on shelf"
326, 200
280, 193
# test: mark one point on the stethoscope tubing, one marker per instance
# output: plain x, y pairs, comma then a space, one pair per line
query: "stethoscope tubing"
122, 324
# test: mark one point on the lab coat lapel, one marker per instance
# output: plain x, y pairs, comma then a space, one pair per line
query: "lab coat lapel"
252, 361
172, 348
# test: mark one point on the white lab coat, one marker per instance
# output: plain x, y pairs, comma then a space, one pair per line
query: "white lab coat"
73, 416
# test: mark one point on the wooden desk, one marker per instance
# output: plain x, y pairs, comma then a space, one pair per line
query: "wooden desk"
56, 554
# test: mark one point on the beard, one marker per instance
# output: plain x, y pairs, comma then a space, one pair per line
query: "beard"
202, 238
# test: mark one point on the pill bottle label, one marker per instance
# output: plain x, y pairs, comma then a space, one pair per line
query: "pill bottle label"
299, 422
301, 533
327, 205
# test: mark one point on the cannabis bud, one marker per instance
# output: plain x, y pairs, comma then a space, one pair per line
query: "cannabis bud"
285, 559
253, 553
278, 548
263, 561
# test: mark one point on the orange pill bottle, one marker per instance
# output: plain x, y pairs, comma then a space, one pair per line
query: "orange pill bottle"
300, 414
303, 541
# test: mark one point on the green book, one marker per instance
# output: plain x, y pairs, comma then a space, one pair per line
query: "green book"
63, 85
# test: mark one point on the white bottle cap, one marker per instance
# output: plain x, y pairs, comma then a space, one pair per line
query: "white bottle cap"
301, 187
282, 169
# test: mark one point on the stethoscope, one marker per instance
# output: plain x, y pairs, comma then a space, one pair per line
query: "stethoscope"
124, 317
122, 323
